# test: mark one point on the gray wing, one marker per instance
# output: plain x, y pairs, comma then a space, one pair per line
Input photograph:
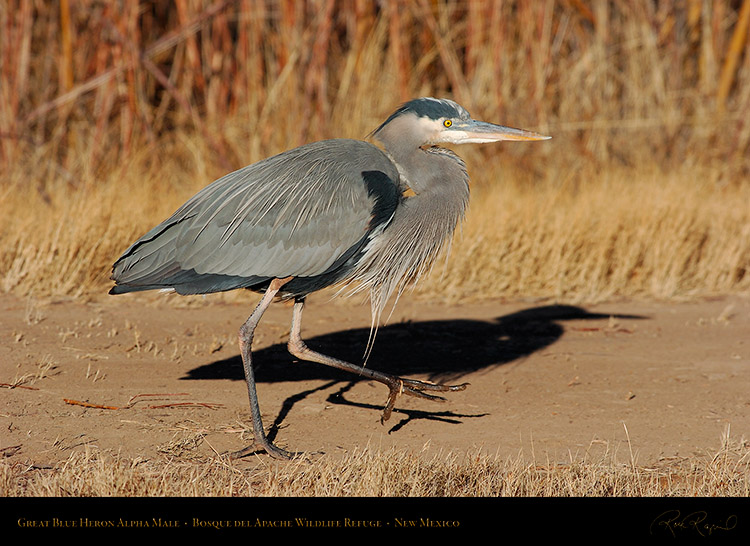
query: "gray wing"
295, 214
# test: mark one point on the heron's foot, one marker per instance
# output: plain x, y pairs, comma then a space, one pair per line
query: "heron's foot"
413, 387
265, 445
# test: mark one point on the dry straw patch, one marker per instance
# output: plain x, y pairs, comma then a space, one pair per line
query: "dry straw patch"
620, 233
393, 473
111, 115
627, 233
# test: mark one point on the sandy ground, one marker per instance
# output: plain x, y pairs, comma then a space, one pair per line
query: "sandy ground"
655, 380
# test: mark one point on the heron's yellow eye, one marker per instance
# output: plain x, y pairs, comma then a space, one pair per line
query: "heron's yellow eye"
447, 123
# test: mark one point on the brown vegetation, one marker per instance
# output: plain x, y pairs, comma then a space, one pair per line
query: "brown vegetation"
112, 114
371, 473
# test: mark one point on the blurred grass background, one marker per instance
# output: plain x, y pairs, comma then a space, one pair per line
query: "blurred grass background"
113, 113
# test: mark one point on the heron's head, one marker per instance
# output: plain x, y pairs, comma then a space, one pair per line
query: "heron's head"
428, 121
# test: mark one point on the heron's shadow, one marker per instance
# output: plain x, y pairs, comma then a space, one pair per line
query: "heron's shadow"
443, 350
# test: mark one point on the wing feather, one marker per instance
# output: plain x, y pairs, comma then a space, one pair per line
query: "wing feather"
294, 214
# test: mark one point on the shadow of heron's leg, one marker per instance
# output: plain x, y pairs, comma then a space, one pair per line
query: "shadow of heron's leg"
396, 385
261, 441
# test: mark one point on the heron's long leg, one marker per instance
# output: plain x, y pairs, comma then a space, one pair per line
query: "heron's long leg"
396, 385
247, 330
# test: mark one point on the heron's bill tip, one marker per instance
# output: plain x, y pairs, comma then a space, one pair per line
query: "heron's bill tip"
521, 135
480, 131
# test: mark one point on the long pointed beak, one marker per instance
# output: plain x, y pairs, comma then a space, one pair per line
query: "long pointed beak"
473, 131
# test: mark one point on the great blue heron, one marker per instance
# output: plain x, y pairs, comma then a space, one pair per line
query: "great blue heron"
330, 212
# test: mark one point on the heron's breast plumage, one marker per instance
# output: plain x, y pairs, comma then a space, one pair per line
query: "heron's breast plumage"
405, 247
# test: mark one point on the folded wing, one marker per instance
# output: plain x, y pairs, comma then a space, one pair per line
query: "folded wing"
302, 213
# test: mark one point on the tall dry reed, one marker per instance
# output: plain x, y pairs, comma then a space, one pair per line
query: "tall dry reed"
111, 114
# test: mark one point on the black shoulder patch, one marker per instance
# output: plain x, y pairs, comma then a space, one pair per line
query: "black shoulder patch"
386, 194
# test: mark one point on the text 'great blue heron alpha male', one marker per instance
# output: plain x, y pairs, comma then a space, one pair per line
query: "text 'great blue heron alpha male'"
330, 212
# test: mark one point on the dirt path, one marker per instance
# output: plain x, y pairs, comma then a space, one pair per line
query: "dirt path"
549, 382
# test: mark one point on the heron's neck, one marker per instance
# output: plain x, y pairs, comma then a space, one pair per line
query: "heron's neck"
435, 171
425, 222
421, 225
441, 194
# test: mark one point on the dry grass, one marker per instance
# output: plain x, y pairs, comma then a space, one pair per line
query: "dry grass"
621, 233
571, 235
112, 117
394, 473
642, 190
